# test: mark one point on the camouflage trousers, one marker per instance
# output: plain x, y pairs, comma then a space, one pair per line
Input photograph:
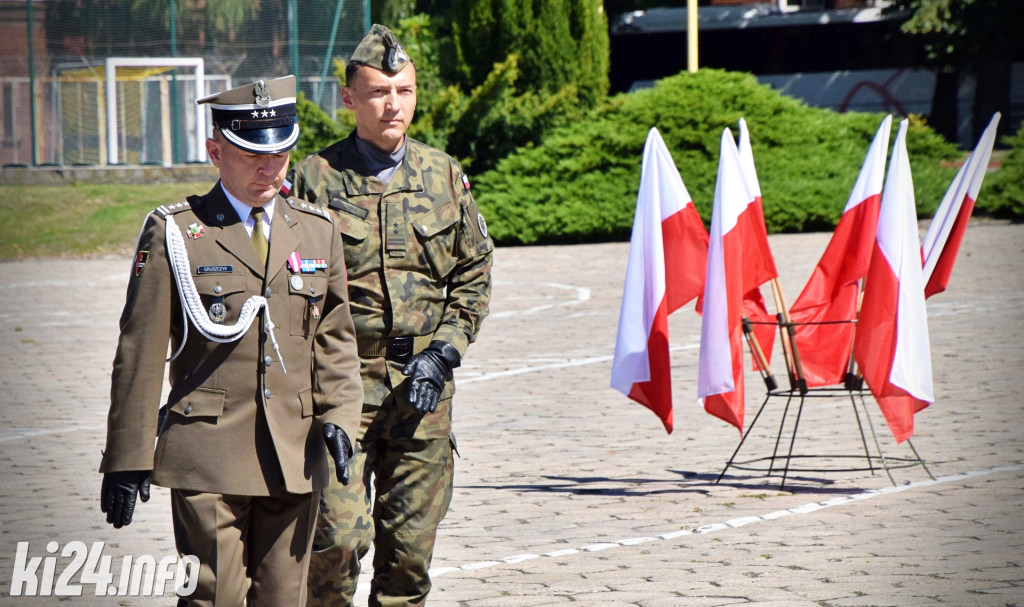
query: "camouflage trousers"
411, 481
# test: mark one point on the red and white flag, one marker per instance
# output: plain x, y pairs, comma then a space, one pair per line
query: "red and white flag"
891, 345
825, 310
667, 255
946, 230
720, 372
758, 255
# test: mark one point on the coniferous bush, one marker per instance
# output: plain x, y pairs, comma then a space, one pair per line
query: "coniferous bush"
1002, 193
580, 184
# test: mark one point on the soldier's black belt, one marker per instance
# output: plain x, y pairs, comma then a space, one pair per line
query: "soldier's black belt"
397, 349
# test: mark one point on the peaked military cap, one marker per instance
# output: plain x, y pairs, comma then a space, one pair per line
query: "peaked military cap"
258, 117
380, 49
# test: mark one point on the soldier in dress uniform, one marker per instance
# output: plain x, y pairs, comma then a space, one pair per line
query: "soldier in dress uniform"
419, 266
245, 289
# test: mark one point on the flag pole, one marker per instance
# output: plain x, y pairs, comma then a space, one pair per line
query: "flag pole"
759, 357
854, 380
691, 36
788, 333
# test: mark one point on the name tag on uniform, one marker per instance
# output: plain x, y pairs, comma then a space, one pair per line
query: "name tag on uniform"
216, 269
339, 203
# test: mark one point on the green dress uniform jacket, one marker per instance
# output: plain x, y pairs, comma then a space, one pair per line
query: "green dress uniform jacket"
237, 422
417, 251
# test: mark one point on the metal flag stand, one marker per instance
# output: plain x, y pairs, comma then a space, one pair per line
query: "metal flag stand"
852, 388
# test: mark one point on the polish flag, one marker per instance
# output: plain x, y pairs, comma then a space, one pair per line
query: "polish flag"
891, 343
826, 308
946, 230
667, 255
758, 256
720, 372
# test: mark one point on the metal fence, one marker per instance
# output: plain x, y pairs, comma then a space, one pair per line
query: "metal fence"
60, 104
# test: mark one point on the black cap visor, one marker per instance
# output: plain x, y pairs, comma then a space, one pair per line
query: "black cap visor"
273, 140
259, 131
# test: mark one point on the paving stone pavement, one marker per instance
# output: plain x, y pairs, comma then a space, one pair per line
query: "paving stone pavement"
567, 492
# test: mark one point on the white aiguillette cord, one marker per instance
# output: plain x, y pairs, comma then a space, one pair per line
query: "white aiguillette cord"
192, 304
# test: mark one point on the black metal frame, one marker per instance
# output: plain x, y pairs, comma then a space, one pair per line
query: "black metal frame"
873, 461
853, 387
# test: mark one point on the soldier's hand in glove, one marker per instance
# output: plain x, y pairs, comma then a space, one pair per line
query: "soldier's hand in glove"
429, 370
340, 448
117, 496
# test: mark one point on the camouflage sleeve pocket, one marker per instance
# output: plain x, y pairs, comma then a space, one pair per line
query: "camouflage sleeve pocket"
436, 233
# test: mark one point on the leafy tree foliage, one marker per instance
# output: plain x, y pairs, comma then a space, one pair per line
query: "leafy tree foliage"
483, 125
978, 37
316, 129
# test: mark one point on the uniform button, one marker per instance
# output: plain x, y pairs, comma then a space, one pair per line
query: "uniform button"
267, 394
218, 289
268, 292
268, 361
188, 409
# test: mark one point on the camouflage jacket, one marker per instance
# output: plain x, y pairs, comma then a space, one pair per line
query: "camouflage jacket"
416, 249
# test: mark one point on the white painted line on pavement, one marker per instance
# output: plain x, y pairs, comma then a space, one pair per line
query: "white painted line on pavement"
581, 294
16, 434
733, 523
579, 362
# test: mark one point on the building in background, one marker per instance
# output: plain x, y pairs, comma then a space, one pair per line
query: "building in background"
846, 55
58, 106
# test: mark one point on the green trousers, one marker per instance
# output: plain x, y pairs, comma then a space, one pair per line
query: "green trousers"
411, 482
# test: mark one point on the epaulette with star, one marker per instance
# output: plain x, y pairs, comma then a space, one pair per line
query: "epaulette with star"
170, 209
301, 205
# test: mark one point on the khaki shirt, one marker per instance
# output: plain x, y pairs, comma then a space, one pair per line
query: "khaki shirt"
238, 423
417, 250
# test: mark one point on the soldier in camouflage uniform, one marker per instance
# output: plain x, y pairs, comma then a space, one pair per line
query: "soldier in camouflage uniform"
419, 263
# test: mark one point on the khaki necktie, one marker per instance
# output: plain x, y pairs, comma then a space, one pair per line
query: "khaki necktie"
259, 239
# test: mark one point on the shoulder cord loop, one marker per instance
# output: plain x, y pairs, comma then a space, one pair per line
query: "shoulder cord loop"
192, 305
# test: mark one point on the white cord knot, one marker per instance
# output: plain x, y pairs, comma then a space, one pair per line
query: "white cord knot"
192, 304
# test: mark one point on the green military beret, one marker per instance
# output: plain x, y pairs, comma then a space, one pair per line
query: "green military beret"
380, 49
259, 117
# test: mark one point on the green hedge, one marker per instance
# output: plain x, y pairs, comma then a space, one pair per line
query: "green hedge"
1002, 193
580, 185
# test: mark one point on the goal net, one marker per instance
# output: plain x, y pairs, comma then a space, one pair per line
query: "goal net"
132, 111
151, 117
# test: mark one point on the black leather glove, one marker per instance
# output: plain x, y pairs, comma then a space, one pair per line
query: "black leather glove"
340, 448
429, 370
117, 496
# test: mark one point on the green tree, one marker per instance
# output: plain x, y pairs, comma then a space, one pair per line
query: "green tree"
483, 124
967, 37
559, 43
